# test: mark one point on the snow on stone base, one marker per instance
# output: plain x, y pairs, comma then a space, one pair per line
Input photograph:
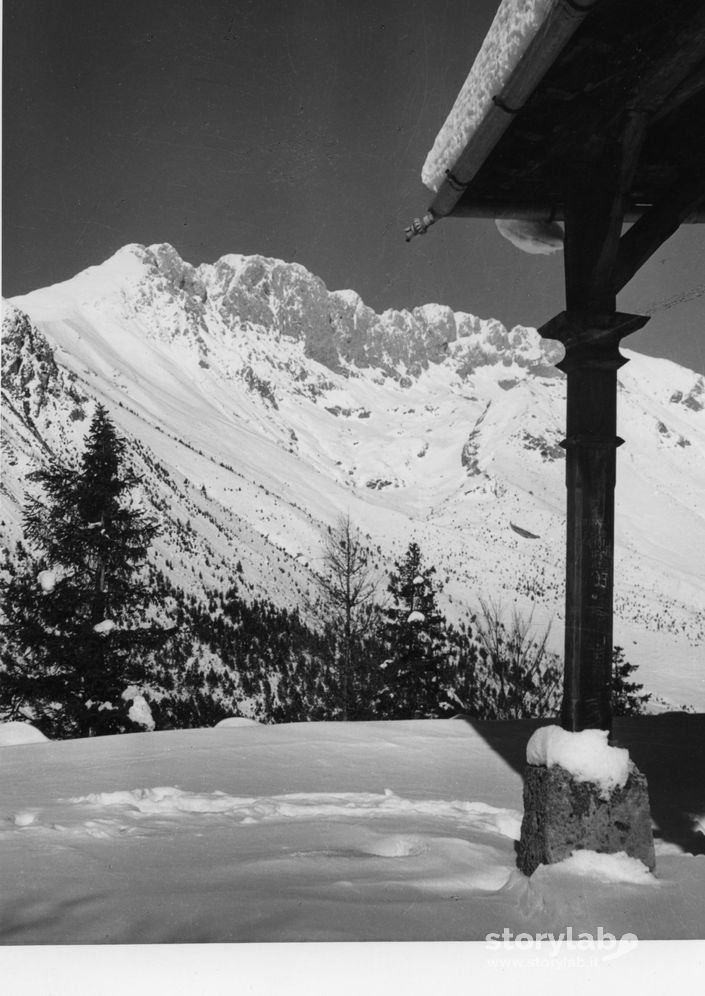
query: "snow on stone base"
586, 755
619, 867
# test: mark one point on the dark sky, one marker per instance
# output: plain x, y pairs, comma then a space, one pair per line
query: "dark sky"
291, 128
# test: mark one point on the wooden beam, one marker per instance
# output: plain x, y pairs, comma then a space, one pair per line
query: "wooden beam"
544, 210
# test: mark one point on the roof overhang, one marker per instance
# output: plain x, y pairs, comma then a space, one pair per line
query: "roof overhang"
591, 65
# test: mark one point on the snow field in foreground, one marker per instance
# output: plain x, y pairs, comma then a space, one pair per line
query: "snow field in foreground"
324, 832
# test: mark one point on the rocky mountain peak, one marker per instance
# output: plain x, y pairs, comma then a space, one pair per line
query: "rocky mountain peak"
284, 300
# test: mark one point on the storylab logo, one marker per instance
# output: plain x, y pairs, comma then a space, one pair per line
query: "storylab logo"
568, 949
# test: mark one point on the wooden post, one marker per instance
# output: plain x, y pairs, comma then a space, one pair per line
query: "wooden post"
591, 362
591, 330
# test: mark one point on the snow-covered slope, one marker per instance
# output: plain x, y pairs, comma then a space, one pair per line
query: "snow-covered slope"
261, 406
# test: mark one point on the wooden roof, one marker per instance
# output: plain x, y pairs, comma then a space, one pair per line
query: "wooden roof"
627, 59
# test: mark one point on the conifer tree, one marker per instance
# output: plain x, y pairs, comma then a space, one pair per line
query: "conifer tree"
628, 697
348, 586
73, 647
413, 677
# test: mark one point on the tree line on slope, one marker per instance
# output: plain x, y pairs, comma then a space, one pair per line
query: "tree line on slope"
97, 640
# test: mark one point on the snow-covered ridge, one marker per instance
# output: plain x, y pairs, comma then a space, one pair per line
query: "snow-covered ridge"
260, 406
336, 328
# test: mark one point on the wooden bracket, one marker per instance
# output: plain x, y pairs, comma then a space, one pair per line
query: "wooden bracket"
657, 225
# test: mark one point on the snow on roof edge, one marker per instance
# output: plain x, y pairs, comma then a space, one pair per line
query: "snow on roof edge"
514, 26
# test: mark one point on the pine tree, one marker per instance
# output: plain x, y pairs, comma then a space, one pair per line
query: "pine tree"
413, 678
628, 697
73, 647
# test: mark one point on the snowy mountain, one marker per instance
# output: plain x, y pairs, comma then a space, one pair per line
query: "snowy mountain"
259, 406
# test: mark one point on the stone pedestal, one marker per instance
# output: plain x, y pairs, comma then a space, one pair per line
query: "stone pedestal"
562, 815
